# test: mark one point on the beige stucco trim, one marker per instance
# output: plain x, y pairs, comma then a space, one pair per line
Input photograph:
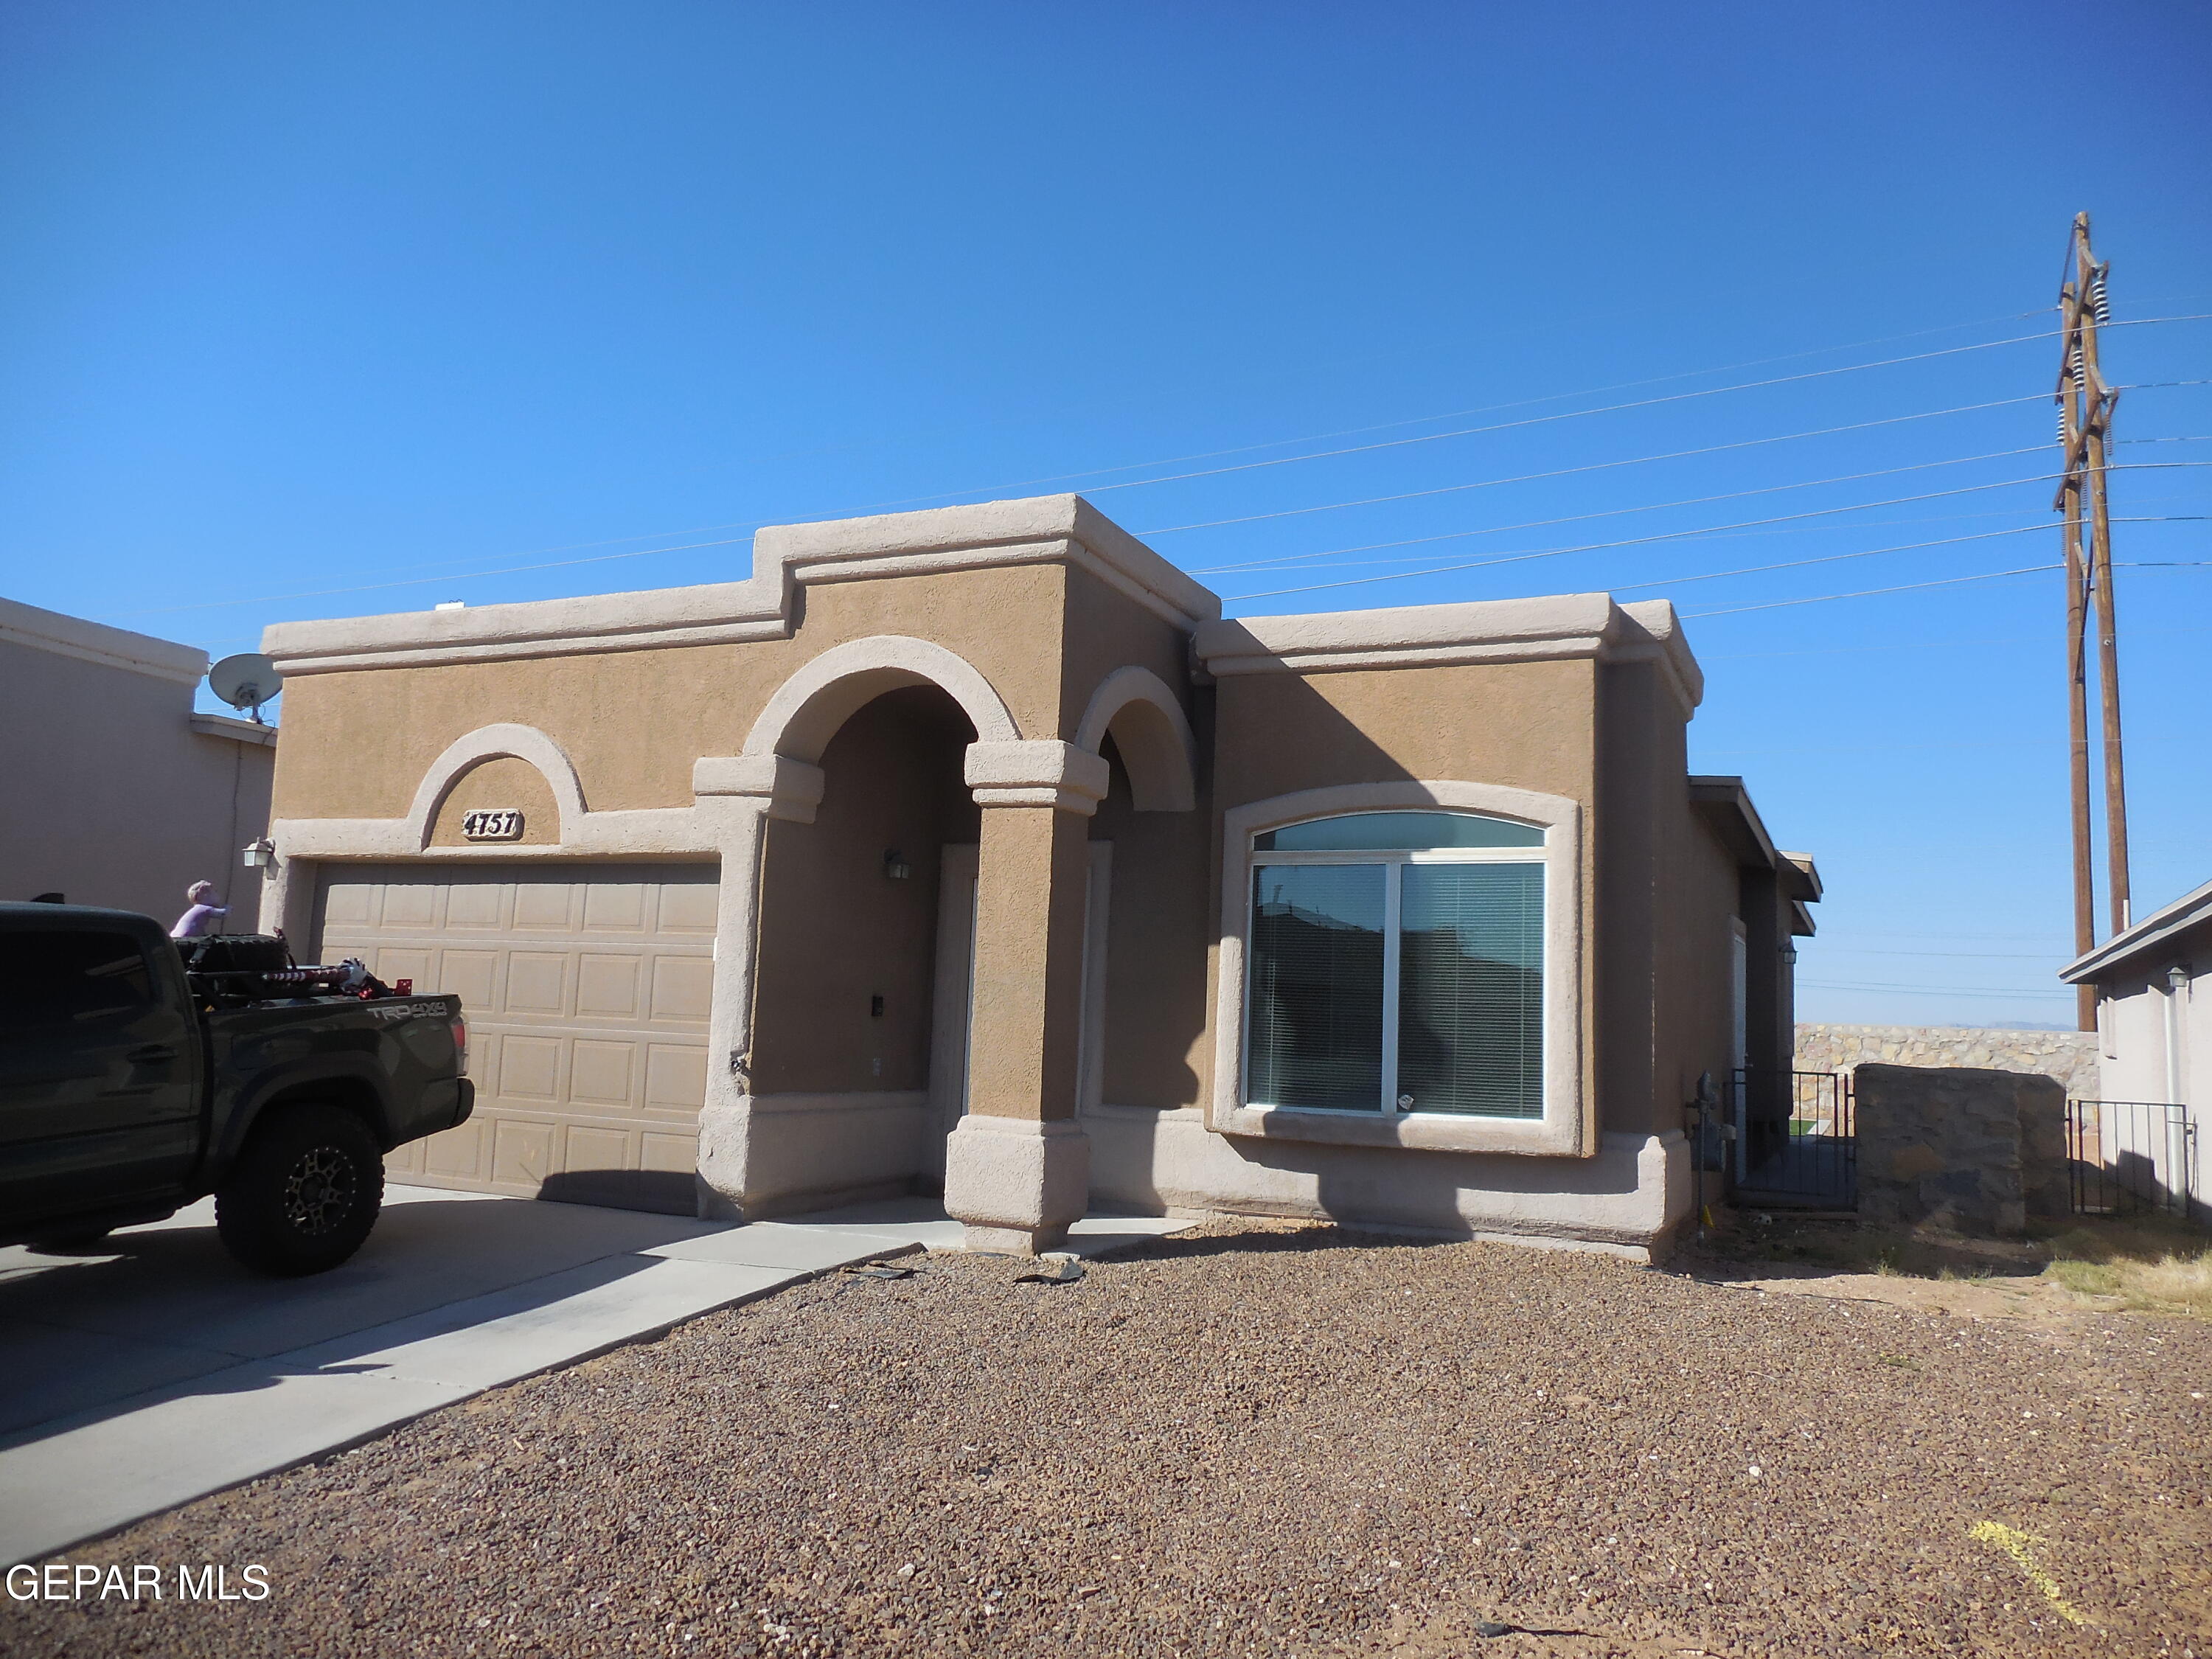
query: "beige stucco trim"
809, 708
1627, 1197
792, 788
764, 606
525, 744
1017, 1184
1569, 1126
953, 536
1157, 749
1044, 773
60, 635
1565, 625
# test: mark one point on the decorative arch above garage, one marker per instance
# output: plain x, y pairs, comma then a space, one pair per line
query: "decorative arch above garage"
491, 742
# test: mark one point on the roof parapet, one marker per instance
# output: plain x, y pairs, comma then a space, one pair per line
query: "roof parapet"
1041, 529
1558, 626
63, 635
2153, 930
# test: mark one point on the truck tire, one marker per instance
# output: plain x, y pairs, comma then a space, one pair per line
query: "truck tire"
304, 1193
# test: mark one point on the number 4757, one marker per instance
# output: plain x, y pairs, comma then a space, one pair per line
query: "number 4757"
492, 823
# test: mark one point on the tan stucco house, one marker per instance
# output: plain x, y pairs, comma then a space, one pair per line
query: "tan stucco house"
971, 848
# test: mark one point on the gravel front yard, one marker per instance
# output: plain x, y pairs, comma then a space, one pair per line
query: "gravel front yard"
1251, 1440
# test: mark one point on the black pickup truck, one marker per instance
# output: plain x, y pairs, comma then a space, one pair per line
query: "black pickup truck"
139, 1074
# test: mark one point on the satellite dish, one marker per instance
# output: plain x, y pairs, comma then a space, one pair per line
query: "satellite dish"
245, 681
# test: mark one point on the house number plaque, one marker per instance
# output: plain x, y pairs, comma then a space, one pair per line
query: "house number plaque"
492, 823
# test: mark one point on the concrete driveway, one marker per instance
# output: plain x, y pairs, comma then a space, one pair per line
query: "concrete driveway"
154, 1369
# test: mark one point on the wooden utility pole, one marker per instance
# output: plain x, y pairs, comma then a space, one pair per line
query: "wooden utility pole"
2085, 414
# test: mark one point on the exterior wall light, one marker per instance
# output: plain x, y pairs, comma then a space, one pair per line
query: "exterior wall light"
895, 867
259, 854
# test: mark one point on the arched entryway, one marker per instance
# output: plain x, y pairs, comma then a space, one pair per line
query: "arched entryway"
853, 1009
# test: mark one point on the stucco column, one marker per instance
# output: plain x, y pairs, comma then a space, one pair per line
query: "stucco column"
735, 797
1017, 1165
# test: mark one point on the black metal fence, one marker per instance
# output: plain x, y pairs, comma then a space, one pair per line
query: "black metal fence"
1788, 1140
2131, 1158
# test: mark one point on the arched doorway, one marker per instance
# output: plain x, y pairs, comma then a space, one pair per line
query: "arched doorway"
855, 1002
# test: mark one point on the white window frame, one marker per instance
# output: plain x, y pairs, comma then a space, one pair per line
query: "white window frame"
1567, 1127
1393, 862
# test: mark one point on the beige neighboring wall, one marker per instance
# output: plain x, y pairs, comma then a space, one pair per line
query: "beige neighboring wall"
117, 793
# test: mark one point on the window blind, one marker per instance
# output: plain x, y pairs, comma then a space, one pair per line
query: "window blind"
1316, 986
1470, 994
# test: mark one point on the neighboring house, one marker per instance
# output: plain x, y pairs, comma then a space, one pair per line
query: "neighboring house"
2154, 1034
972, 848
119, 794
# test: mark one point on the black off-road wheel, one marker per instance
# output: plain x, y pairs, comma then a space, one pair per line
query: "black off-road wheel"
304, 1193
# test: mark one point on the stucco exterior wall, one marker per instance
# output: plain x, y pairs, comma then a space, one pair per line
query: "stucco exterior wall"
1700, 899
635, 722
1157, 1051
115, 795
1156, 1046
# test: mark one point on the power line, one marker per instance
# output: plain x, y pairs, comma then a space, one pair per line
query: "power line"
1830, 948
1950, 581
1614, 512
1930, 991
1611, 409
1172, 460
952, 495
1918, 645
1488, 409
1719, 535
1868, 553
1866, 593
1594, 466
1600, 466
1677, 535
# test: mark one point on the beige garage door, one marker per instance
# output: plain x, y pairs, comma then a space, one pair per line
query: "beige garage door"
586, 992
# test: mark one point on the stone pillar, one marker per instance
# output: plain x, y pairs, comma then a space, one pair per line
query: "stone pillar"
1017, 1165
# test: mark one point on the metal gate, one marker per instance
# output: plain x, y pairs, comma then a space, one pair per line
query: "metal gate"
2130, 1156
1795, 1140
1780, 1140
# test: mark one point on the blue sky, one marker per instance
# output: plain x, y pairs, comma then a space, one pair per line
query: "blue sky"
336, 309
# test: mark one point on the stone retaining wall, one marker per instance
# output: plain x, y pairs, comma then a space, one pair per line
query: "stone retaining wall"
2069, 1056
1979, 1152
